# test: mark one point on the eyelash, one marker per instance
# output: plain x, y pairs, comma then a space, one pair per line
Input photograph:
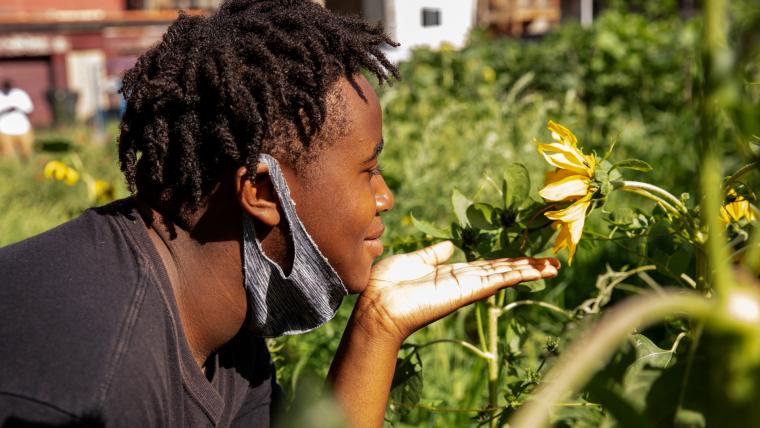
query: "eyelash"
377, 170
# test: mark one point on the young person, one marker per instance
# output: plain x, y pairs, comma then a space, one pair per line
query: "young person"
251, 140
16, 134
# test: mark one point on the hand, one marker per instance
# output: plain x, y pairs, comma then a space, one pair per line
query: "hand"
408, 291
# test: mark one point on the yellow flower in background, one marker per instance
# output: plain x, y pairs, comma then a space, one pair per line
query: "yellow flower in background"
737, 209
570, 222
489, 74
571, 181
103, 191
58, 170
446, 47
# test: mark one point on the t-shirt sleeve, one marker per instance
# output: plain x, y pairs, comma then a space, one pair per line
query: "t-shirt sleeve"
22, 412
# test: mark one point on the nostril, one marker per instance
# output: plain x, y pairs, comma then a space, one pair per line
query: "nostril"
384, 201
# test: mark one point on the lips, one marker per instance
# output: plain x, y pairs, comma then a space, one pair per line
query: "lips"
376, 232
373, 243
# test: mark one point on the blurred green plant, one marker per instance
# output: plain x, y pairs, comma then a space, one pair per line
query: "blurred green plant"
703, 250
65, 175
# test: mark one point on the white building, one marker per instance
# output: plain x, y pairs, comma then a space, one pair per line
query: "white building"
415, 22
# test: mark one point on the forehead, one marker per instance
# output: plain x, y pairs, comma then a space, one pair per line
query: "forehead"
360, 117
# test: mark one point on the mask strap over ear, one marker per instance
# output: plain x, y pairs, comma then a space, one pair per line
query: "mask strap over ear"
301, 301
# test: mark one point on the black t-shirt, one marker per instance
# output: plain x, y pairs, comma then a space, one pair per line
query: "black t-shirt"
90, 336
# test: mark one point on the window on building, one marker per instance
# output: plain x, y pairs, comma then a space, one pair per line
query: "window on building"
431, 17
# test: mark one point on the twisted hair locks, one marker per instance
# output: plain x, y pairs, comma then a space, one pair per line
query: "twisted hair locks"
220, 89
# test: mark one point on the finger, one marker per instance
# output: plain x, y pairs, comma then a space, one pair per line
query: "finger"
498, 264
550, 260
497, 268
434, 254
517, 261
506, 279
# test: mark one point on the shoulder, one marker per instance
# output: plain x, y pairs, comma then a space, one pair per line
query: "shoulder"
74, 256
18, 94
67, 298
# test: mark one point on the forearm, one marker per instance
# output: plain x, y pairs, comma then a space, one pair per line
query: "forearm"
362, 370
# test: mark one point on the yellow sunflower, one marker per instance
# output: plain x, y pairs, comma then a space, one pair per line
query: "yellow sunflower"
737, 209
60, 171
570, 181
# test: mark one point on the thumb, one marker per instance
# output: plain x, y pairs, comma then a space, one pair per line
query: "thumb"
434, 254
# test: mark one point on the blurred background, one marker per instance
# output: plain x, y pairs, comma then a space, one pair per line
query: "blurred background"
69, 56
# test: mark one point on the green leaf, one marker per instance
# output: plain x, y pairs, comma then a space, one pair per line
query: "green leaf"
634, 164
407, 381
516, 185
651, 355
649, 381
482, 216
531, 286
429, 228
460, 203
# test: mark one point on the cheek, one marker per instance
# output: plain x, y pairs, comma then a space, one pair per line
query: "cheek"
340, 236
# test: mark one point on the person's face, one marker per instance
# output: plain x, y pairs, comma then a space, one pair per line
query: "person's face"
340, 199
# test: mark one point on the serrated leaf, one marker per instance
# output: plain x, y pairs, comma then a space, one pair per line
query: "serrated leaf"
516, 185
460, 203
429, 228
481, 216
634, 164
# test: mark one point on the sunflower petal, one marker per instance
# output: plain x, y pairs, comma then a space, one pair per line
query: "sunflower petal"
572, 186
562, 134
570, 222
572, 213
565, 157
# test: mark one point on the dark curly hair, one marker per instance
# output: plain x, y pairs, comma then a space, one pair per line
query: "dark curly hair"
218, 90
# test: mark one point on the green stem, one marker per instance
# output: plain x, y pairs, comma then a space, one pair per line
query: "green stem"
654, 192
591, 351
664, 205
696, 329
578, 405
545, 305
469, 346
493, 364
741, 172
719, 278
433, 408
481, 331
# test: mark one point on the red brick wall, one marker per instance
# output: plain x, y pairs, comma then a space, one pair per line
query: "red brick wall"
44, 5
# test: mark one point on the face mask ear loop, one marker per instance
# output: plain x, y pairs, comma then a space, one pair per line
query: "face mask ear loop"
249, 229
298, 234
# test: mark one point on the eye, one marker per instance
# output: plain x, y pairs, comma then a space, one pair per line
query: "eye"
376, 170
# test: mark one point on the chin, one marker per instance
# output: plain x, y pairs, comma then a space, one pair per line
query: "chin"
357, 283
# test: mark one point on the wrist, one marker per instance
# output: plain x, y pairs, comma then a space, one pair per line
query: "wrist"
371, 319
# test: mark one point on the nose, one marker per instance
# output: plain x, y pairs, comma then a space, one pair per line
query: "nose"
383, 196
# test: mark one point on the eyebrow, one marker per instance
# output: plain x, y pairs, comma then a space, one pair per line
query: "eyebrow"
376, 153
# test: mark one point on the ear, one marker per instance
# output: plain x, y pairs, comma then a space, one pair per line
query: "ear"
257, 199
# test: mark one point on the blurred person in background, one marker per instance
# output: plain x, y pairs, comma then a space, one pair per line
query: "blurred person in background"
251, 142
16, 134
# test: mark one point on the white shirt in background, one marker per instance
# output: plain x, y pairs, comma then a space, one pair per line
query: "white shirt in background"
15, 122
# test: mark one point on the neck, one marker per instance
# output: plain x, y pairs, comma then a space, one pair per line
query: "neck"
206, 277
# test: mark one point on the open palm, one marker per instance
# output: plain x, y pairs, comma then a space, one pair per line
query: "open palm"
415, 289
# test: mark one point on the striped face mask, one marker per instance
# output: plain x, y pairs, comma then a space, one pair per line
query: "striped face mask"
288, 304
